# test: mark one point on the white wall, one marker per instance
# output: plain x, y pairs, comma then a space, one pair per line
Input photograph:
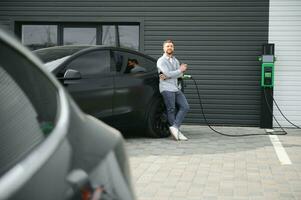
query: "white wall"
285, 33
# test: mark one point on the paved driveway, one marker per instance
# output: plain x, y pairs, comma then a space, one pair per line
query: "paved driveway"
211, 166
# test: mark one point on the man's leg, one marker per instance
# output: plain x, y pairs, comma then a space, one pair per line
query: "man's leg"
183, 107
170, 103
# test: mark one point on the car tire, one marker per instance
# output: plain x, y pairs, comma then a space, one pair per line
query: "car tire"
157, 122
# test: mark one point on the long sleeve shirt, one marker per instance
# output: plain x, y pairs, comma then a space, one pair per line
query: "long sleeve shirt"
170, 67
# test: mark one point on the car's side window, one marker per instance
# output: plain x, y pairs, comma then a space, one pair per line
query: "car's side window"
148, 64
129, 63
91, 63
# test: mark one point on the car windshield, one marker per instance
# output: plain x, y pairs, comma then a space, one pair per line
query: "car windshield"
50, 66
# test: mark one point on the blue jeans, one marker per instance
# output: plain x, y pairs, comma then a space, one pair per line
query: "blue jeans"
171, 99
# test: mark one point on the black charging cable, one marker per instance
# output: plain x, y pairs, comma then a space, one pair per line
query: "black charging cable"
282, 132
225, 134
284, 115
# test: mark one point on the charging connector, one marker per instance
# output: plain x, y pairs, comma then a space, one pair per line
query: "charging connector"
186, 76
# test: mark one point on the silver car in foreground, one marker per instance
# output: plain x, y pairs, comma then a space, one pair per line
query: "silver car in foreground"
50, 149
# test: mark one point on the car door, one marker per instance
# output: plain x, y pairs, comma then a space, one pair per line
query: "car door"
133, 90
93, 89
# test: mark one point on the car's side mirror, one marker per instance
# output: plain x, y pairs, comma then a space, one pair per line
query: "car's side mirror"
72, 74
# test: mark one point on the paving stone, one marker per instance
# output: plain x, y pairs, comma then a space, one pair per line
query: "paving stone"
214, 167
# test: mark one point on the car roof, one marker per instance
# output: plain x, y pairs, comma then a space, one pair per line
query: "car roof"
54, 53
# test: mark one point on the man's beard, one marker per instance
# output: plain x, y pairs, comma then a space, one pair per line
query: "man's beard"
169, 52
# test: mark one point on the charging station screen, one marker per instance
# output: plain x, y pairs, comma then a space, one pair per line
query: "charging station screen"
267, 58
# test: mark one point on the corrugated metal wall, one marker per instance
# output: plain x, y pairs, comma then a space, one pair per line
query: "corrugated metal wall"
285, 32
219, 40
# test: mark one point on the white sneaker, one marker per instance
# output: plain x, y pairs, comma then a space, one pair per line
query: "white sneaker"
182, 136
174, 132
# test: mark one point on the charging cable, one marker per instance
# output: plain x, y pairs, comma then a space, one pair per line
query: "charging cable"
270, 110
283, 132
284, 115
218, 132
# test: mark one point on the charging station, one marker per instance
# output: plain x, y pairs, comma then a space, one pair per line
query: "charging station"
267, 83
267, 71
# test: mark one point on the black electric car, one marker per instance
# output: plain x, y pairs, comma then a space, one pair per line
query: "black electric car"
116, 85
50, 149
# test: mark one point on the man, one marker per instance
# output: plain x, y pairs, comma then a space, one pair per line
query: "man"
133, 67
170, 70
136, 67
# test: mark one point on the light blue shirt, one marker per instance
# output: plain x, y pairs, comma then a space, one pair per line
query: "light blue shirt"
170, 67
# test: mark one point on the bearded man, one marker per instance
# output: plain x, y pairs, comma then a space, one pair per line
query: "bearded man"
176, 103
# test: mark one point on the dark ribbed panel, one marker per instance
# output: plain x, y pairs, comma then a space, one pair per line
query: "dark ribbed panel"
19, 130
219, 39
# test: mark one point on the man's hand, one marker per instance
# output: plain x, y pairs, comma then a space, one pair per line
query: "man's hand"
183, 67
162, 77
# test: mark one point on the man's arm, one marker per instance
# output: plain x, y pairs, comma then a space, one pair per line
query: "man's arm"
171, 74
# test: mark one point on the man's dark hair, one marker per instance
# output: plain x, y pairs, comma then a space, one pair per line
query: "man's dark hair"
168, 41
135, 61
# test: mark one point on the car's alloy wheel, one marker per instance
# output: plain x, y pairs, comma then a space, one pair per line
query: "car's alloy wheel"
157, 119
